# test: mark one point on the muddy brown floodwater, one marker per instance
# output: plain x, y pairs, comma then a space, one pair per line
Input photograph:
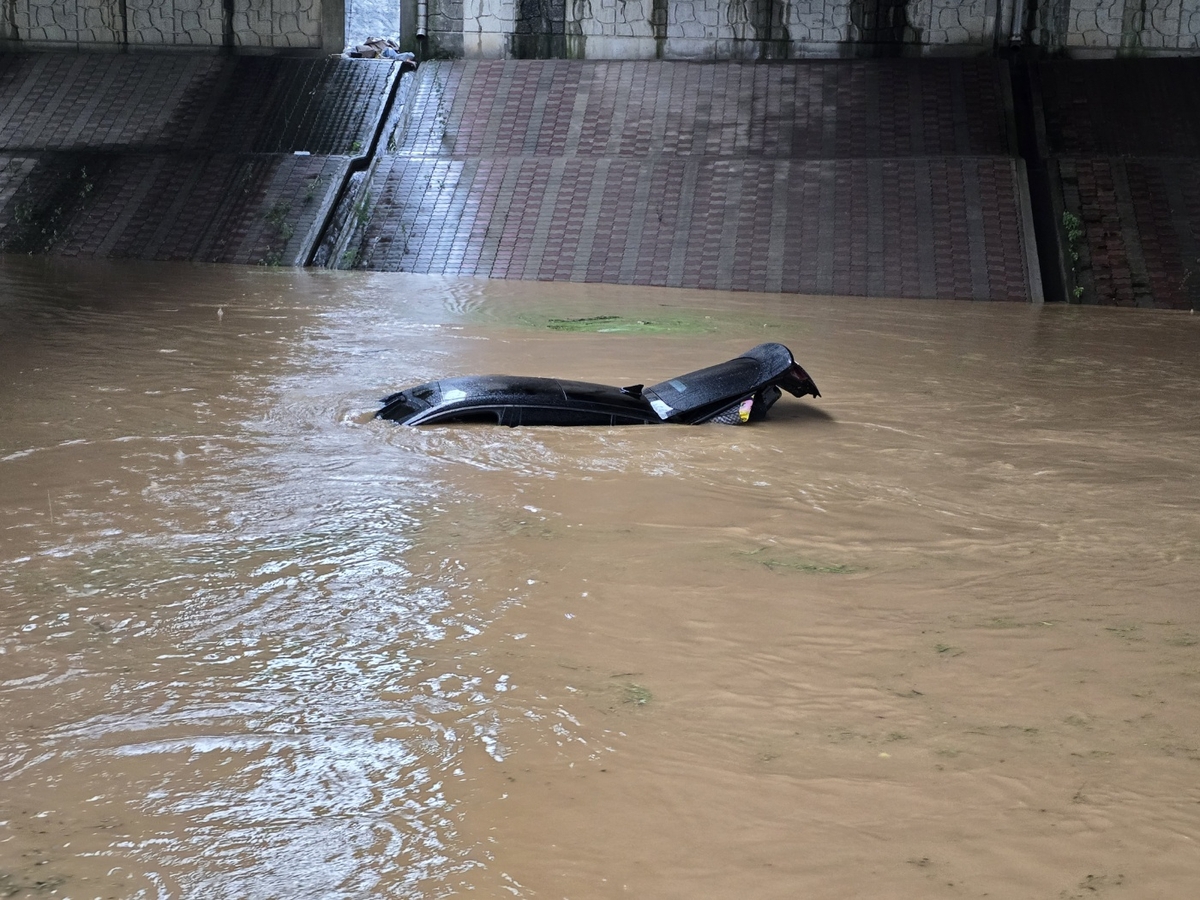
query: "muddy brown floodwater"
935, 634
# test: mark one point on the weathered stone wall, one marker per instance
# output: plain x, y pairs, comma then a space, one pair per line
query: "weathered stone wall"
252, 25
707, 29
773, 29
1107, 28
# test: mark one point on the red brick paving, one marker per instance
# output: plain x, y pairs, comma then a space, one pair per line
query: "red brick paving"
890, 178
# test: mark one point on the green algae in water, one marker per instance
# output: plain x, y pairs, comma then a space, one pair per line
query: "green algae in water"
785, 561
626, 325
673, 322
634, 694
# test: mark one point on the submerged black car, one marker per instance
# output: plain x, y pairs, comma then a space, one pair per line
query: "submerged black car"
740, 390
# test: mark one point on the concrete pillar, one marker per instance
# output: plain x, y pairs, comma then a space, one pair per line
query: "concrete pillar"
408, 27
333, 25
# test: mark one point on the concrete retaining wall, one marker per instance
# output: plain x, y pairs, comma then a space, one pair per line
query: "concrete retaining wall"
780, 29
1108, 28
249, 25
623, 29
704, 29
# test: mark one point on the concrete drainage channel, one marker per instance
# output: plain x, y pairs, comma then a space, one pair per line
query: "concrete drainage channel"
349, 208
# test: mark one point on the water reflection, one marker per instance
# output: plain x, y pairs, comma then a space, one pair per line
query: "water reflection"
255, 643
213, 605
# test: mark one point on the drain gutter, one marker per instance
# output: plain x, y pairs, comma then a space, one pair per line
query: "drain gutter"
1045, 201
358, 165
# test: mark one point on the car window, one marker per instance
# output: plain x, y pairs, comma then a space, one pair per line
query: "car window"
466, 417
549, 415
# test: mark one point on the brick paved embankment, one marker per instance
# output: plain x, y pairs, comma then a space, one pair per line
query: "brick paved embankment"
180, 157
884, 178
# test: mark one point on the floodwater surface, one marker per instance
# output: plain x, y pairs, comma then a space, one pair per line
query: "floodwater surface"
934, 634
